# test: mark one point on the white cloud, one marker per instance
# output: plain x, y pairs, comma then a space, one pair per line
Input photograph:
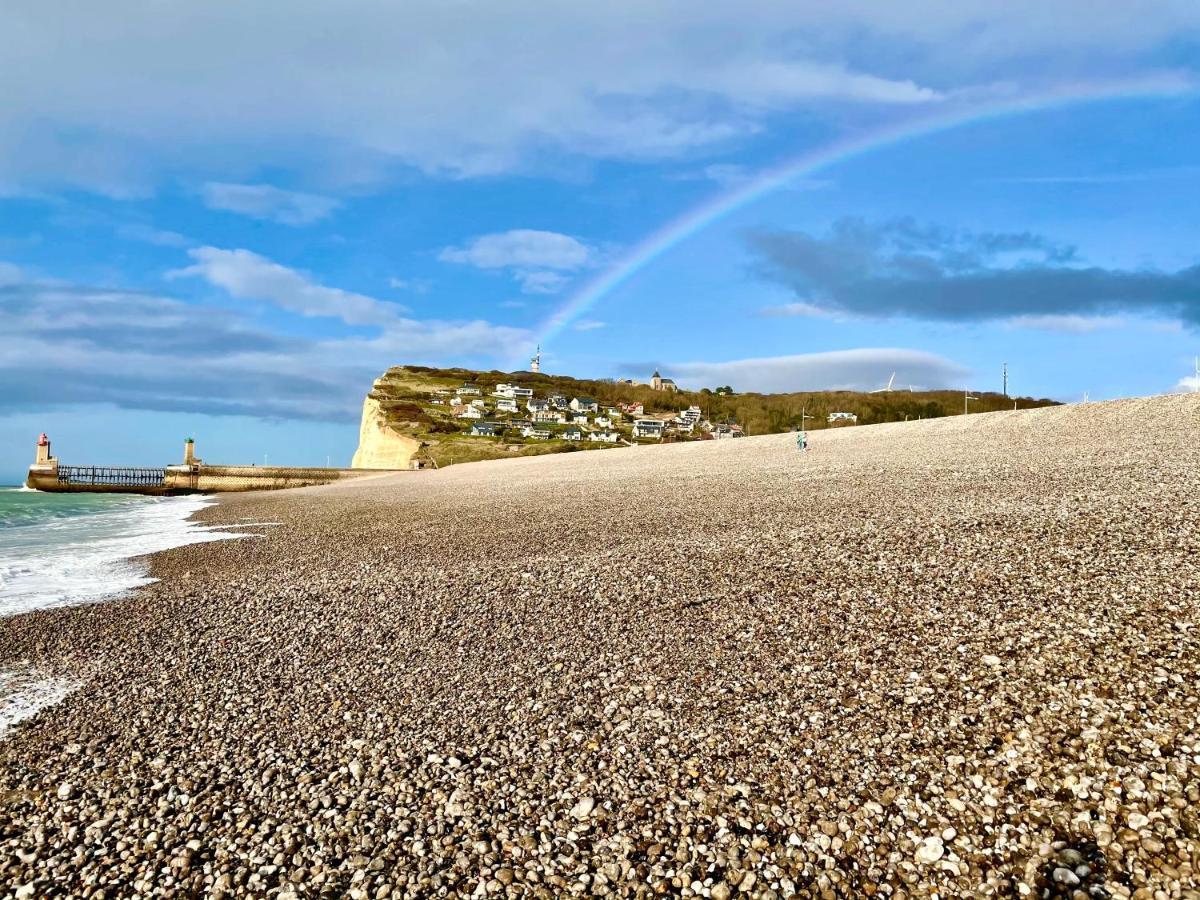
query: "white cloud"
263, 201
248, 276
1189, 384
9, 274
1071, 324
850, 370
521, 248
589, 325
537, 259
147, 234
119, 94
803, 309
541, 282
416, 285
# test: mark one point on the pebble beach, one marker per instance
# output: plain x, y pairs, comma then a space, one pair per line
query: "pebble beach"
950, 658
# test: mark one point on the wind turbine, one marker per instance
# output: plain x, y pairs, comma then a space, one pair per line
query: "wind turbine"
888, 389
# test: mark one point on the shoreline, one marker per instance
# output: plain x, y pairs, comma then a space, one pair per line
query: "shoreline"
901, 661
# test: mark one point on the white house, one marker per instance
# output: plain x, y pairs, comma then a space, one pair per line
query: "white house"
842, 418
521, 393
506, 404
691, 414
536, 434
605, 437
683, 426
486, 429
651, 428
469, 390
572, 434
479, 404
603, 422
469, 412
585, 404
557, 401
545, 415
579, 419
535, 406
503, 390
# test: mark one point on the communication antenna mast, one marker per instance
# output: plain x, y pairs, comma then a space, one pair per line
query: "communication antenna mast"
535, 364
1006, 379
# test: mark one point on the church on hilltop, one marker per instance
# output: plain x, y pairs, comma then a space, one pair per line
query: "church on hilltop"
658, 383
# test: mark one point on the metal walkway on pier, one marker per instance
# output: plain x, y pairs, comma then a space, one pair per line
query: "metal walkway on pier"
111, 476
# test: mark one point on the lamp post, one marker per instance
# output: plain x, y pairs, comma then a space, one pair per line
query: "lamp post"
967, 398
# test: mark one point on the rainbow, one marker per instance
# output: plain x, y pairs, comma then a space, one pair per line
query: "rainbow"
812, 162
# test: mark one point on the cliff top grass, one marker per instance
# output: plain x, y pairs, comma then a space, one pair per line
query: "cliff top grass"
757, 413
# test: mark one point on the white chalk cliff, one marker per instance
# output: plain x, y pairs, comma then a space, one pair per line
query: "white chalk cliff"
380, 446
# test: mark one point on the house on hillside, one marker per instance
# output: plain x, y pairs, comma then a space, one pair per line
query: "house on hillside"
468, 412
605, 437
649, 428
842, 418
603, 422
469, 390
557, 401
521, 394
537, 434
727, 430
546, 415
691, 414
536, 406
633, 409
572, 434
506, 404
486, 429
579, 419
503, 390
585, 405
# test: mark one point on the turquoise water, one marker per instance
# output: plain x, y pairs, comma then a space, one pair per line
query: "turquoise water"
59, 549
19, 506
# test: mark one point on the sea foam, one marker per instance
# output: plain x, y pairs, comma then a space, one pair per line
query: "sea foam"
57, 561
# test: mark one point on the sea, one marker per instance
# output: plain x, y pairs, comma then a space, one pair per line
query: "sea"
64, 549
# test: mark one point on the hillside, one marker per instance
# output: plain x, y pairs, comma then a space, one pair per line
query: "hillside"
417, 413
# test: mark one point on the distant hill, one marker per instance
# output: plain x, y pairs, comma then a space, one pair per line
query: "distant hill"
410, 414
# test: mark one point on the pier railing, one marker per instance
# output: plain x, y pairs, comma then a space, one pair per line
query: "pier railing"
111, 476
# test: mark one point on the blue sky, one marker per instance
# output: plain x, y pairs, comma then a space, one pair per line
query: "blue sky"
225, 221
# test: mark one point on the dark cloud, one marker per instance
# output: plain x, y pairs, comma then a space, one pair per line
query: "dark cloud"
904, 269
62, 345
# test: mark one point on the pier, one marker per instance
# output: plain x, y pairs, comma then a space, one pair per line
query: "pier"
192, 476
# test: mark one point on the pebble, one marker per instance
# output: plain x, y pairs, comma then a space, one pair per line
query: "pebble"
937, 658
